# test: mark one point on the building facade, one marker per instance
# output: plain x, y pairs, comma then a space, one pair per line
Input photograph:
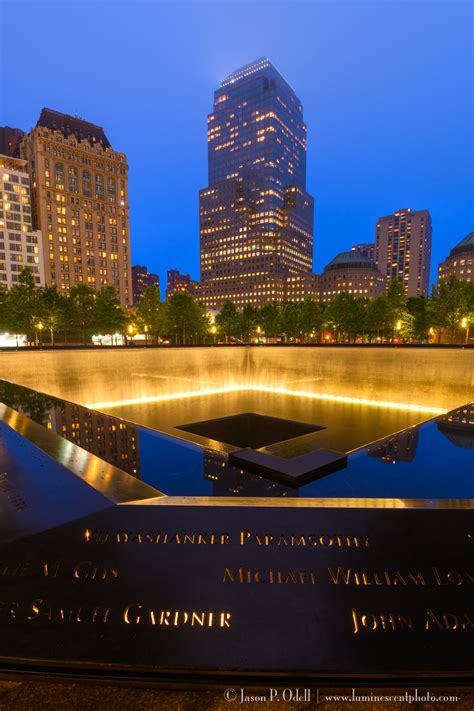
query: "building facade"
299, 286
20, 245
141, 279
460, 262
403, 249
256, 218
80, 203
180, 282
367, 248
352, 272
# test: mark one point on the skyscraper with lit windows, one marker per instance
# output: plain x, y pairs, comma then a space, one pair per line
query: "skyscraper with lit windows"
141, 280
20, 245
256, 218
79, 187
403, 249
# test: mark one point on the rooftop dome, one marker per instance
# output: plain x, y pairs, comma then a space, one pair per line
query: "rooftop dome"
465, 245
354, 258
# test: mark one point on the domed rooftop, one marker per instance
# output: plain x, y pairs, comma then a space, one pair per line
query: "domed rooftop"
352, 259
465, 245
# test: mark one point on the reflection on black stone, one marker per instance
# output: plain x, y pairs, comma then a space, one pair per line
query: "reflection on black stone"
34, 405
109, 438
231, 481
458, 426
400, 448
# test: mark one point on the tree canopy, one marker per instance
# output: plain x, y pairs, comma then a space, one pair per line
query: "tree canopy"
43, 313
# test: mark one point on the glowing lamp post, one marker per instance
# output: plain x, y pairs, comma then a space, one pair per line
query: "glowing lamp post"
398, 328
214, 331
465, 324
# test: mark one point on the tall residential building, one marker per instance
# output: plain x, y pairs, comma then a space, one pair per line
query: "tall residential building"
403, 249
460, 262
352, 272
141, 279
256, 218
80, 203
367, 248
180, 282
20, 245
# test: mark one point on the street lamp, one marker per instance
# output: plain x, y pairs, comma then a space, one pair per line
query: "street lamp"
40, 328
465, 324
399, 325
214, 331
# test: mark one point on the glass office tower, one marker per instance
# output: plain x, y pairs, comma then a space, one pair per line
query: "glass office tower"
256, 218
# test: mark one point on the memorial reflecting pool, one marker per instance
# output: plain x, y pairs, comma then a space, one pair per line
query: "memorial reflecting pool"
178, 416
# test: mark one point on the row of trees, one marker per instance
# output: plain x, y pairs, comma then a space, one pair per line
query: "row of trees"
44, 314
348, 318
37, 311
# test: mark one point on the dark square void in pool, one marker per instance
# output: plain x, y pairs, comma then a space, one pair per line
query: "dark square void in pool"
249, 429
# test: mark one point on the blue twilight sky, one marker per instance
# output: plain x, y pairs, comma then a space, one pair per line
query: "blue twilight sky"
386, 86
